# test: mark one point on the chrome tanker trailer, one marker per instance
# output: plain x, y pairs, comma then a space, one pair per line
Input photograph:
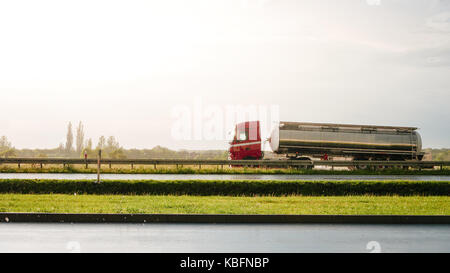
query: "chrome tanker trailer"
303, 140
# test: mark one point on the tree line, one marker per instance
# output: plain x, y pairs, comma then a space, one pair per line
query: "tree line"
76, 145
110, 146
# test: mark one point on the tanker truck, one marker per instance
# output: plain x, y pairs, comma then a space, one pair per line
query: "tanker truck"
305, 140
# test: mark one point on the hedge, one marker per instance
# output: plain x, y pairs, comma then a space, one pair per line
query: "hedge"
227, 188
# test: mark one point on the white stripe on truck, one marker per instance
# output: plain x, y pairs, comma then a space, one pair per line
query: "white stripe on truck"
245, 144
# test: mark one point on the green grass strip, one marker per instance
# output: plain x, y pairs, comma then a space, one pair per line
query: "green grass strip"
348, 205
228, 188
218, 170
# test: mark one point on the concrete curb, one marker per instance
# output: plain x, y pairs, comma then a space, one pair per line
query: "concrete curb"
11, 217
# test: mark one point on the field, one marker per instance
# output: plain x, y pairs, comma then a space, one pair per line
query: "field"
349, 205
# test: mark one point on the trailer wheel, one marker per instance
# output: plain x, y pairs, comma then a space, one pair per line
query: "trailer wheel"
303, 158
361, 167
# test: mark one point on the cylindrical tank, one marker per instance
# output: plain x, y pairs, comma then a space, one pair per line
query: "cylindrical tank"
357, 141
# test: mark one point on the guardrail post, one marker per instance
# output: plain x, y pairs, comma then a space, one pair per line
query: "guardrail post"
154, 166
19, 165
199, 166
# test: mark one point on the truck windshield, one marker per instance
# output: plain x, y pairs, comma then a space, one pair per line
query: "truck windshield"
242, 134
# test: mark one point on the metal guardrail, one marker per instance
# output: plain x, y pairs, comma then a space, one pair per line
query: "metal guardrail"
247, 163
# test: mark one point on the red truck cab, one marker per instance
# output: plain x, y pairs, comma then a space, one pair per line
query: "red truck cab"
246, 143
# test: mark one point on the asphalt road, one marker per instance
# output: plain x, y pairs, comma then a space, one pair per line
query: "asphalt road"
80, 176
278, 238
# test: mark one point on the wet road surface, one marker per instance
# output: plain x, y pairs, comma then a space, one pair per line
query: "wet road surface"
64, 237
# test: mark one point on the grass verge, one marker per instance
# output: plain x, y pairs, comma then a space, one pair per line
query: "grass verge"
213, 170
348, 205
228, 188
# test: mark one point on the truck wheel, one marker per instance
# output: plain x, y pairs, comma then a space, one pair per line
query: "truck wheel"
250, 158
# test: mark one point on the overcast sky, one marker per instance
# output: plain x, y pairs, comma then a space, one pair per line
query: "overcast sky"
121, 67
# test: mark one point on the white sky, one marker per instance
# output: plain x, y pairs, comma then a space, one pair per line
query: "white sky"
122, 66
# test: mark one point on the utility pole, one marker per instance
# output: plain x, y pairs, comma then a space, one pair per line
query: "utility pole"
99, 157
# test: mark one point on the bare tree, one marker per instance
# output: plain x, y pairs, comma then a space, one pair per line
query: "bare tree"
69, 138
101, 142
112, 143
61, 148
6, 149
4, 143
88, 144
80, 138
